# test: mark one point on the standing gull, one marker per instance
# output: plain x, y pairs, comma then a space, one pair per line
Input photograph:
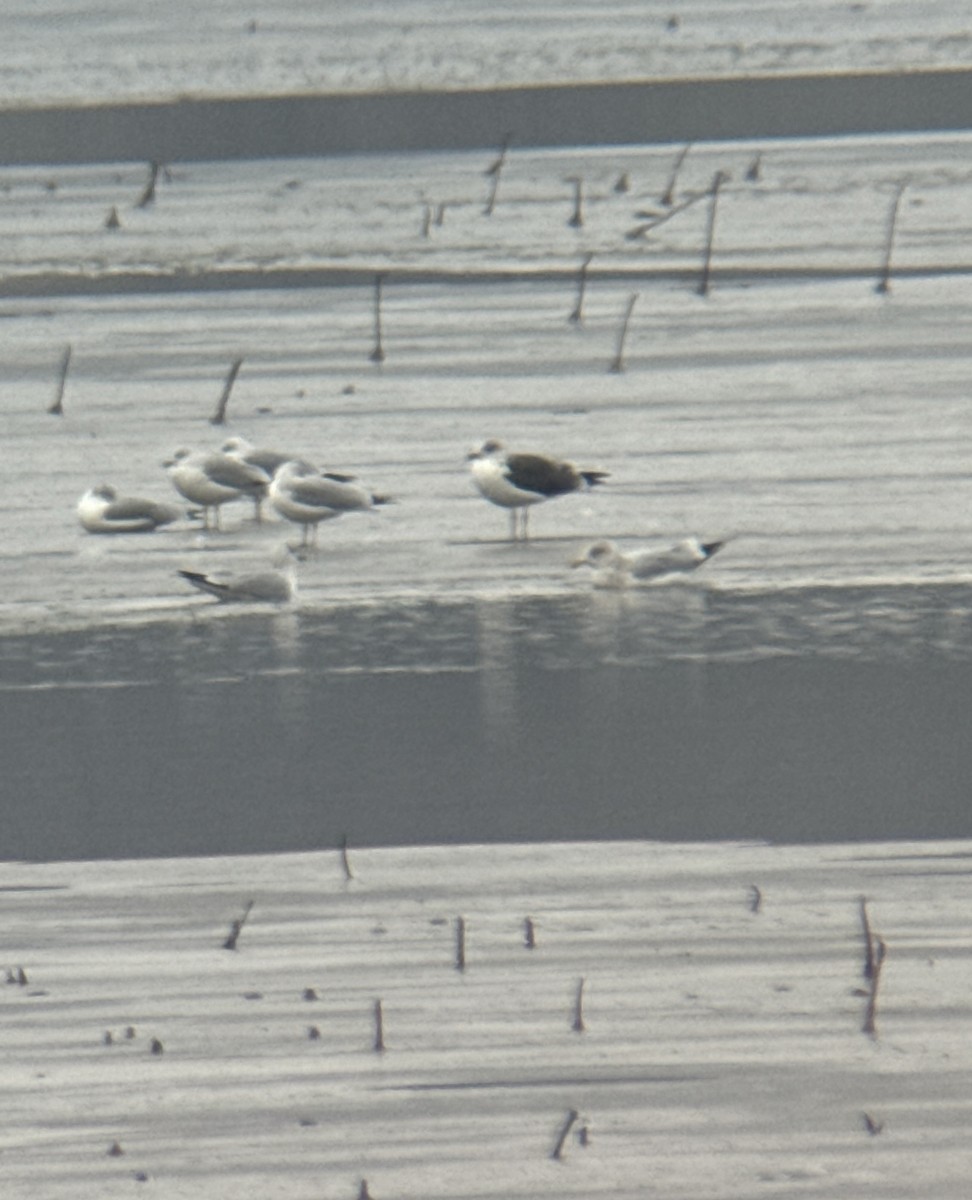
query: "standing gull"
307, 497
278, 586
102, 510
612, 568
515, 481
267, 461
214, 479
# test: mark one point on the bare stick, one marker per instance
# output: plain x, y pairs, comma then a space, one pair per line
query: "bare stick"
379, 1044
872, 1124
363, 1193
868, 939
148, 195
565, 1129
493, 171
755, 899
529, 934
577, 216
219, 416
717, 181
57, 407
617, 364
237, 928
378, 354
497, 164
577, 316
578, 1025
883, 285
754, 168
345, 863
870, 1015
668, 196
651, 220
460, 943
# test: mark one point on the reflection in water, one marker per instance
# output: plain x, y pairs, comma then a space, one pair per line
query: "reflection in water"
680, 712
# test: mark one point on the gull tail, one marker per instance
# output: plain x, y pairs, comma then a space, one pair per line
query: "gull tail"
205, 584
593, 477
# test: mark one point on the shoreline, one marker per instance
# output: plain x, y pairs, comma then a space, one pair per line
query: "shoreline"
632, 113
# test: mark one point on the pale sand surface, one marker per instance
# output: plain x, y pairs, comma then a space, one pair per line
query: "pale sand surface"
723, 1054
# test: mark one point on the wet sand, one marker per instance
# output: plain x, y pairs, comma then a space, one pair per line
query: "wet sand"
717, 1051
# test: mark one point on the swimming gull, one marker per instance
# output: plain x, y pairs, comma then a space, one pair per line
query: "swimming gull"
307, 496
613, 568
515, 481
102, 510
278, 586
213, 479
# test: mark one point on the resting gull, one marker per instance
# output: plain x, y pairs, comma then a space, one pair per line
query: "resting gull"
307, 497
102, 510
612, 568
278, 586
213, 479
515, 481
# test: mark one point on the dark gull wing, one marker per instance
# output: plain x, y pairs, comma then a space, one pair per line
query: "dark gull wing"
545, 476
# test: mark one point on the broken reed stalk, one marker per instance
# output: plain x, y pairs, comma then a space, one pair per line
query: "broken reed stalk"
718, 180
577, 216
460, 943
668, 196
617, 364
219, 416
379, 1044
148, 195
377, 355
755, 899
345, 862
237, 928
567, 1126
577, 315
529, 934
493, 171
577, 1024
870, 1014
883, 285
868, 939
57, 407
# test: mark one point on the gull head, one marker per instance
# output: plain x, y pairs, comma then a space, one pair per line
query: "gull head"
598, 555
489, 449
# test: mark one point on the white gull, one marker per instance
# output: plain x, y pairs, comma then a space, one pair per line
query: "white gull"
278, 586
516, 480
102, 510
214, 479
306, 496
612, 568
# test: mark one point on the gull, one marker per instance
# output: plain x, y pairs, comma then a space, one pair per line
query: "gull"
278, 586
102, 510
267, 461
612, 568
213, 479
306, 496
515, 481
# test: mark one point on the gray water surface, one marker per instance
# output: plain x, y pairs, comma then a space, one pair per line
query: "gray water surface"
823, 714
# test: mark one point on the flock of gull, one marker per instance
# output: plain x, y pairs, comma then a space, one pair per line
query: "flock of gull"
305, 495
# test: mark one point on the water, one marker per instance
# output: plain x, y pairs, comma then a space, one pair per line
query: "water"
681, 713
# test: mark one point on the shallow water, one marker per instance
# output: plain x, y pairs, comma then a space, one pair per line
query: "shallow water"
683, 713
